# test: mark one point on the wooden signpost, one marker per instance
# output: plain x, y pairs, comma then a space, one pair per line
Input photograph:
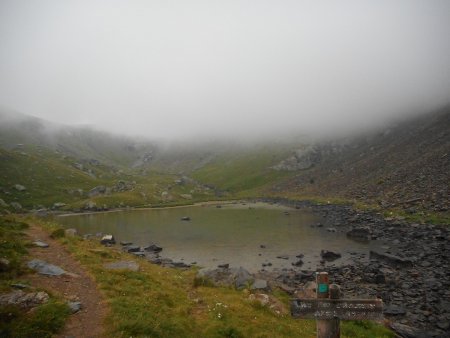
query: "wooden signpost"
328, 309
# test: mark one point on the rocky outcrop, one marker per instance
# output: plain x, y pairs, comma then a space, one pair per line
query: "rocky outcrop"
24, 300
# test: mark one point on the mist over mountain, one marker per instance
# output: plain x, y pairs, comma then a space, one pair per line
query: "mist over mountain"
233, 70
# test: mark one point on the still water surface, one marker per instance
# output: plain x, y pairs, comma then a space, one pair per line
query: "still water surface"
231, 234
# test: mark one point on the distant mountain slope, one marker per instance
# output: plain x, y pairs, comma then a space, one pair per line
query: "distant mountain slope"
82, 143
407, 166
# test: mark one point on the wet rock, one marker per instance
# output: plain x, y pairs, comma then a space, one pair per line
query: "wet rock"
329, 255
45, 268
298, 263
122, 265
390, 259
331, 229
185, 218
363, 233
40, 244
153, 248
24, 300
283, 257
223, 266
404, 330
394, 310
243, 278
125, 243
131, 248
108, 240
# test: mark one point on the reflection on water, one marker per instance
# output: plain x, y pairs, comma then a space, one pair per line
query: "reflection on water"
231, 234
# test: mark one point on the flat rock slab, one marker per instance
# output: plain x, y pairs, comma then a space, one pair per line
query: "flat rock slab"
259, 284
40, 244
45, 268
122, 265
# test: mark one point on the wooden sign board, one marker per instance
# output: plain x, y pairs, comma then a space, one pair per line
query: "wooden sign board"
346, 309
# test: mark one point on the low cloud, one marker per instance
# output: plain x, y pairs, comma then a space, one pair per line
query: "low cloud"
225, 69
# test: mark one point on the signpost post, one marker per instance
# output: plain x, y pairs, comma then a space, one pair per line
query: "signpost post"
328, 309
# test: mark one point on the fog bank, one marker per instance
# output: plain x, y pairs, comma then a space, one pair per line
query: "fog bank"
227, 69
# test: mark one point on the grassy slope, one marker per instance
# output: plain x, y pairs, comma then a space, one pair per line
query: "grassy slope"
44, 320
244, 174
50, 177
163, 302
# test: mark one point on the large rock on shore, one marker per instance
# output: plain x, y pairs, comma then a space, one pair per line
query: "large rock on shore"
238, 277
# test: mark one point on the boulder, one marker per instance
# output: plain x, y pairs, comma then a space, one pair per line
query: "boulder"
45, 268
90, 206
238, 277
24, 300
406, 331
298, 263
153, 248
131, 248
390, 259
243, 278
58, 205
259, 284
108, 240
329, 255
70, 232
19, 187
99, 190
74, 306
40, 244
394, 310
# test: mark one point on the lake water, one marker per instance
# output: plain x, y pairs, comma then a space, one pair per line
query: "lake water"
233, 233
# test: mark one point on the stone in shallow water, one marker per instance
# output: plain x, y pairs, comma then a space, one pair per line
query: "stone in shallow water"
45, 268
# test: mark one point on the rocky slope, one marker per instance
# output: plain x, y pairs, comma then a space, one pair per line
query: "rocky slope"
405, 166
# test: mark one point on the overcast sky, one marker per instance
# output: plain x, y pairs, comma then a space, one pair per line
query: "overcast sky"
184, 68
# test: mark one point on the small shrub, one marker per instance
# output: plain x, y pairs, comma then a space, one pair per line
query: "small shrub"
203, 281
230, 332
58, 233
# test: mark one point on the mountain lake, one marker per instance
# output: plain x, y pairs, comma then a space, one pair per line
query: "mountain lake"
239, 234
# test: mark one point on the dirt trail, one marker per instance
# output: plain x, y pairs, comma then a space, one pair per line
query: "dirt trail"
88, 322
